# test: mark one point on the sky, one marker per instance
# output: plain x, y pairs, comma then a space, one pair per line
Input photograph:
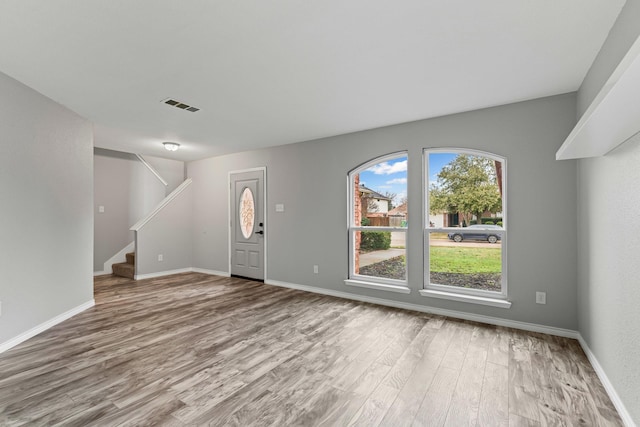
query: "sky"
436, 162
387, 177
391, 175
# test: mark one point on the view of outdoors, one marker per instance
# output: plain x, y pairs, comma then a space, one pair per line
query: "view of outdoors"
464, 234
465, 191
380, 200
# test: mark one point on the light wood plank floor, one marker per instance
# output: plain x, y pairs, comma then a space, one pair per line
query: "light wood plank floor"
194, 349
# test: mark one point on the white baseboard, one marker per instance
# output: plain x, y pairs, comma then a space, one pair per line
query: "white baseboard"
611, 391
433, 310
100, 273
181, 270
44, 326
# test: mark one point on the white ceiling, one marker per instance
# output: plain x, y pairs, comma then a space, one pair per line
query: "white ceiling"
275, 72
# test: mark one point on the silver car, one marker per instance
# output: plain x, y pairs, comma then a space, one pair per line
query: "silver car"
476, 232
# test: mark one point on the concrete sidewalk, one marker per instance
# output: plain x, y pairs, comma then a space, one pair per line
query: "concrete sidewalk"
377, 256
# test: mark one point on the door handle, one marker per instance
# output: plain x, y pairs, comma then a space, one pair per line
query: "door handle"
260, 232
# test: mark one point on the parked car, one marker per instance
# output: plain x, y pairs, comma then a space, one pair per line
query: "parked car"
476, 232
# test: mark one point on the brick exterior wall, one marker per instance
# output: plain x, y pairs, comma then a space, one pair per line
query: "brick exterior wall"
357, 218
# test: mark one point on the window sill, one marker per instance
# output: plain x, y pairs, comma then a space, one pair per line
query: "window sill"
378, 286
472, 299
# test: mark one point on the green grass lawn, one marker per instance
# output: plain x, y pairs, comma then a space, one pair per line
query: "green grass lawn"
439, 236
446, 259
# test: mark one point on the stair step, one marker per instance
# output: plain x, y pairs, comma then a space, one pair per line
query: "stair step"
124, 269
131, 258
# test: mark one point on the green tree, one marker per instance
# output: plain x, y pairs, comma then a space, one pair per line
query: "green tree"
466, 185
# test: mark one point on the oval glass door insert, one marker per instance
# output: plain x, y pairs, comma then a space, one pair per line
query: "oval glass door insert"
247, 213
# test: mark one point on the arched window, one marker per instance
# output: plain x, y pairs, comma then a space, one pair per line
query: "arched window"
465, 222
378, 220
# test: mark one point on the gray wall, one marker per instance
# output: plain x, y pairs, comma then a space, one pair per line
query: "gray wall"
172, 171
46, 218
310, 179
168, 233
128, 190
608, 206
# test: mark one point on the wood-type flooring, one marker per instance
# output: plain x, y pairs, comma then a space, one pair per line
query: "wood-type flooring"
195, 349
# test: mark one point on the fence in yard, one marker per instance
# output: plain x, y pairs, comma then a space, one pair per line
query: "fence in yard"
378, 221
397, 221
387, 221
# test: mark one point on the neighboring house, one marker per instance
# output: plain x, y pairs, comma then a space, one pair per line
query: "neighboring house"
374, 204
446, 219
400, 210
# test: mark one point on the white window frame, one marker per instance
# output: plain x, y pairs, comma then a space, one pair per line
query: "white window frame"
359, 280
453, 292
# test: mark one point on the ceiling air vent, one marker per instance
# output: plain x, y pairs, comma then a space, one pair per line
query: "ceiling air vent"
180, 105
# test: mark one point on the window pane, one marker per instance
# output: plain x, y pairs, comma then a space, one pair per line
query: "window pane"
472, 263
465, 194
381, 254
380, 194
464, 189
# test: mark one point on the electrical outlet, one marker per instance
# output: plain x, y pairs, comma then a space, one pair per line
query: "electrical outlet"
315, 269
100, 209
0, 308
160, 257
541, 297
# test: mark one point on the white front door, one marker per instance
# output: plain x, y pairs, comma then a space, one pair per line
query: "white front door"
247, 224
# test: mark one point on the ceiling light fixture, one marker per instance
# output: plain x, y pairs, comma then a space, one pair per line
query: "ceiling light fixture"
171, 146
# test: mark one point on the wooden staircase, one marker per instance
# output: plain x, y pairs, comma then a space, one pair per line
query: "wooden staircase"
126, 269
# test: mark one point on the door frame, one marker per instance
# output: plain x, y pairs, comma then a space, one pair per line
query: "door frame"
265, 236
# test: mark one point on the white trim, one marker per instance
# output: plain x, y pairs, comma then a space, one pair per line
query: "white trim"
352, 227
152, 169
611, 118
377, 228
473, 299
175, 193
426, 230
611, 391
532, 327
100, 273
378, 286
46, 325
264, 212
181, 270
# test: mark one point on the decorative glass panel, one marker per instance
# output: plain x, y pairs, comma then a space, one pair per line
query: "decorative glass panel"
247, 213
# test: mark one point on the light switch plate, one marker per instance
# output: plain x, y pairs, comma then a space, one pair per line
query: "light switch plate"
279, 207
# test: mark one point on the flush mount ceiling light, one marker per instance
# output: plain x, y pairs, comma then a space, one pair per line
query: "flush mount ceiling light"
171, 146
